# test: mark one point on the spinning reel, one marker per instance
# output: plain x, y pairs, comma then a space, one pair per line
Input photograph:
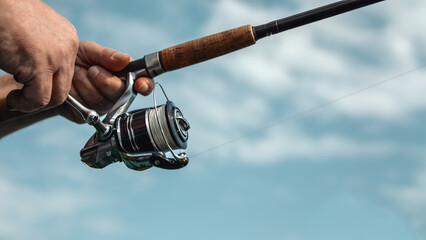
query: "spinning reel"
140, 138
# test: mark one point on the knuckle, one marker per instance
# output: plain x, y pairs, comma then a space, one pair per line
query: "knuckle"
74, 42
105, 53
57, 100
98, 101
73, 29
73, 35
69, 47
103, 82
41, 102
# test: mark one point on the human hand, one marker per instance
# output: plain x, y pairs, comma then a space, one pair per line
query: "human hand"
38, 47
94, 86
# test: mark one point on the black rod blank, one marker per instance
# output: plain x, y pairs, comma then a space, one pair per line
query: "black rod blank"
310, 16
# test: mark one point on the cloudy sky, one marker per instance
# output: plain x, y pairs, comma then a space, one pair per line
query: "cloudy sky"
317, 133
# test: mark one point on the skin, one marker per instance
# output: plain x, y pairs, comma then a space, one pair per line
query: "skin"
38, 47
45, 60
92, 84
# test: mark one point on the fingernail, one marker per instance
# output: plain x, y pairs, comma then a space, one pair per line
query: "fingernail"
76, 68
117, 55
93, 71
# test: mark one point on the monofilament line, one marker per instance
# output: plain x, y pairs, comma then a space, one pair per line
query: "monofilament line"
307, 111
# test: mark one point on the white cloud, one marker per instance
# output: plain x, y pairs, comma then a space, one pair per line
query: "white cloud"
289, 143
126, 34
228, 13
308, 66
64, 135
22, 207
270, 66
411, 199
297, 67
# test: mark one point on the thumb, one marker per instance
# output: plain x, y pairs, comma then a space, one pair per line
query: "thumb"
91, 53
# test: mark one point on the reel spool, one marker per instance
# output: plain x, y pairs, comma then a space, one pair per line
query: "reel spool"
143, 131
140, 138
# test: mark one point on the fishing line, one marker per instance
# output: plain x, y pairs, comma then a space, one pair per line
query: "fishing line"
307, 111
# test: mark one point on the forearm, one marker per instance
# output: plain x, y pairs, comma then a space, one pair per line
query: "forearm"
11, 121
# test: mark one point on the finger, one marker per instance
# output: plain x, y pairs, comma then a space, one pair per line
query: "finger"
74, 93
89, 93
144, 85
34, 95
62, 81
68, 111
94, 54
109, 85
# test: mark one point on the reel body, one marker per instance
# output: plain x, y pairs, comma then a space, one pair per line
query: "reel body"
141, 138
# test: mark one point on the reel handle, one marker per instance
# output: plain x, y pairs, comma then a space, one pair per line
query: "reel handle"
160, 161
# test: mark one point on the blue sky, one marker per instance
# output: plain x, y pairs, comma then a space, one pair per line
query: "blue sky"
299, 169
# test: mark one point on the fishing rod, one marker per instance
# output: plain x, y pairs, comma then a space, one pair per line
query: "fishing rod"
222, 43
142, 138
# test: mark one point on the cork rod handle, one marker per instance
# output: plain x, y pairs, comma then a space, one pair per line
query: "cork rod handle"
202, 49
